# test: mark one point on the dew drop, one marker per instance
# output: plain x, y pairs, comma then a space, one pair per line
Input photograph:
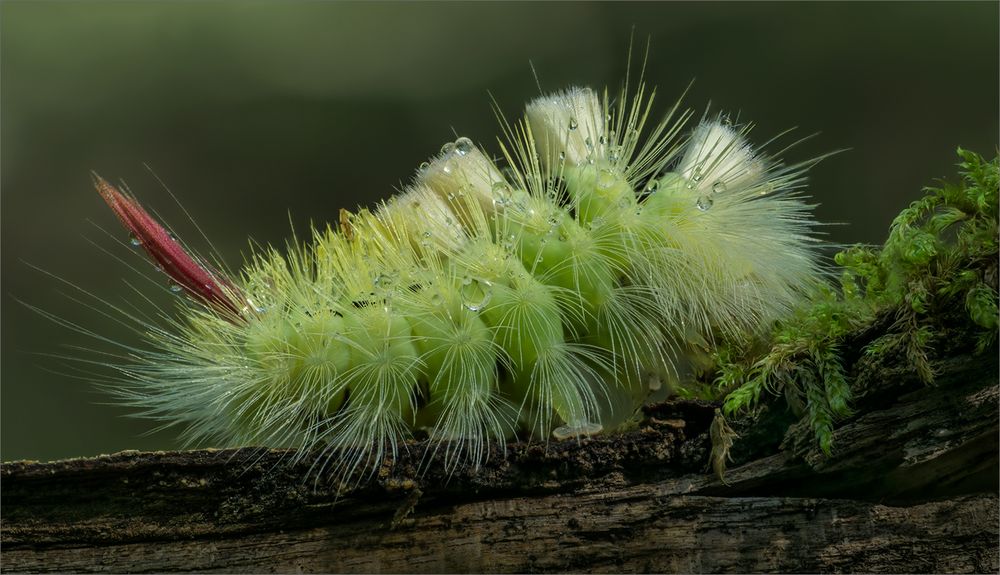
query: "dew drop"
605, 179
697, 175
134, 240
501, 194
602, 140
704, 203
562, 156
176, 288
719, 187
424, 166
573, 124
463, 146
589, 143
448, 148
652, 185
476, 293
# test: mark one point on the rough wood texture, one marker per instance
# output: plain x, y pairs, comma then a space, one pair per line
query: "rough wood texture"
911, 487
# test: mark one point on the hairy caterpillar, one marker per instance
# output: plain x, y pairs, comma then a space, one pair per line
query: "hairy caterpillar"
548, 299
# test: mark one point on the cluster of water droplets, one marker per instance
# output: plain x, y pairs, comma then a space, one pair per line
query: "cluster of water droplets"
136, 242
705, 200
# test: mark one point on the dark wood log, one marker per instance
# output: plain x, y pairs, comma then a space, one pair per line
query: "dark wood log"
912, 486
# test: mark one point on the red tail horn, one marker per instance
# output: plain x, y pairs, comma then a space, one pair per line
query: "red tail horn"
198, 280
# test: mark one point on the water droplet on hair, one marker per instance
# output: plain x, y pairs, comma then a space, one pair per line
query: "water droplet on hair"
562, 156
176, 288
463, 146
704, 203
476, 294
573, 124
134, 240
605, 179
501, 194
652, 185
448, 148
697, 174
719, 187
382, 281
589, 143
424, 166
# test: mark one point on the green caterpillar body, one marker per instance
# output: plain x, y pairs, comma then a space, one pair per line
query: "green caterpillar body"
550, 299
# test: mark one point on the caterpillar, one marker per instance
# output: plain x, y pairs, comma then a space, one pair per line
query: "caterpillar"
547, 293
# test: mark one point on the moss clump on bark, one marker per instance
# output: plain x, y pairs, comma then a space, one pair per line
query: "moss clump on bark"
933, 284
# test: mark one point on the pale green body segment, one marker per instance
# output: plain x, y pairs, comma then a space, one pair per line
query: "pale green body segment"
551, 301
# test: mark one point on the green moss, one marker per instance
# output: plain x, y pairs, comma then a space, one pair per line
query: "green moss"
941, 255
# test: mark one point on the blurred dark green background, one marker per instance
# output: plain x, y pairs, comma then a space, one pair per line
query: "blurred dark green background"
260, 114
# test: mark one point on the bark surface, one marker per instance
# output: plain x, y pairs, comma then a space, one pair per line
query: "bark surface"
912, 486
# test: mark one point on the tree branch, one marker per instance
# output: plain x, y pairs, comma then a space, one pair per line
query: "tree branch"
911, 487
